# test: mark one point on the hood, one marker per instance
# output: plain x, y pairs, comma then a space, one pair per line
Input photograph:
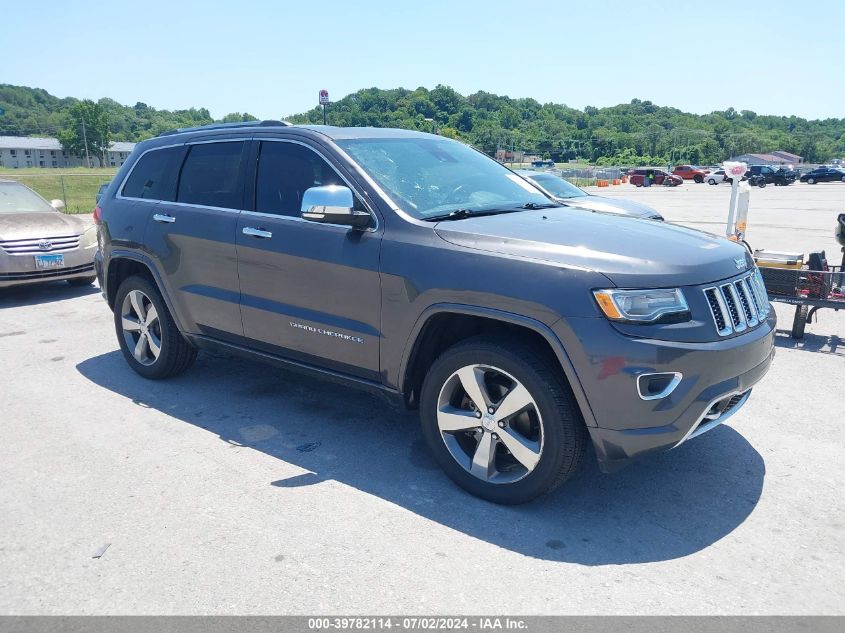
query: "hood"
20, 226
630, 252
613, 205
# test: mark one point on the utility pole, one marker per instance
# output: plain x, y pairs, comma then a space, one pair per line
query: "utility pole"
85, 139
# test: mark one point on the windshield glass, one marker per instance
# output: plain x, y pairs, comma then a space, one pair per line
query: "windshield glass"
431, 176
558, 187
15, 198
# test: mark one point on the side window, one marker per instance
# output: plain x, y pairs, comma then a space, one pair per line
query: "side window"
285, 171
154, 175
211, 175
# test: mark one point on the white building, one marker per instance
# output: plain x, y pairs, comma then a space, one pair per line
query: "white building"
24, 151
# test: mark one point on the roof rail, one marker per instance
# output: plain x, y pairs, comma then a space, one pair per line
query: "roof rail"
227, 126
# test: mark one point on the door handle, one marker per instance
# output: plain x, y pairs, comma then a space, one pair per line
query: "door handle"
163, 217
249, 230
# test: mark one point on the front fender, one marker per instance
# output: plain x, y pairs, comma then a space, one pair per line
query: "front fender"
505, 317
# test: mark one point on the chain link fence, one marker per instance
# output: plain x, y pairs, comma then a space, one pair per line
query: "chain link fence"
78, 191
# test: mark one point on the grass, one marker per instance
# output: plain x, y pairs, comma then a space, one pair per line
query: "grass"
76, 186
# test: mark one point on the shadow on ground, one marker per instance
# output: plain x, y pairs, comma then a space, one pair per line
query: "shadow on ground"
668, 506
46, 292
820, 343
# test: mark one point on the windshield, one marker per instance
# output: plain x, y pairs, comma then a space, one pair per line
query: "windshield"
558, 187
428, 177
16, 198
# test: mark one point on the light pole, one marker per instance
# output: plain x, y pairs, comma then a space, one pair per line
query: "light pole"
85, 140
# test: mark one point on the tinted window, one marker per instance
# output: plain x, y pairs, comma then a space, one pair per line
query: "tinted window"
285, 171
154, 175
211, 175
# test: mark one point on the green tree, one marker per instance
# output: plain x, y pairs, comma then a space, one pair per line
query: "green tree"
87, 130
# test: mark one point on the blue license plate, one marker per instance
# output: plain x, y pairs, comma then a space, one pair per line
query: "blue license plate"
49, 261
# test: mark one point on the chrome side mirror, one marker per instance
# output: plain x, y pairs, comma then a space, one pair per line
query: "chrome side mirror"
332, 204
57, 204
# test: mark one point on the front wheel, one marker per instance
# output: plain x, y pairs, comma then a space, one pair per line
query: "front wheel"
150, 341
811, 181
698, 179
501, 421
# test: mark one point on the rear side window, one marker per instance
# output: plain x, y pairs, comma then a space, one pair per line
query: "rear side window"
211, 175
154, 175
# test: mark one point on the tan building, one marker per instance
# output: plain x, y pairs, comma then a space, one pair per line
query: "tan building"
25, 151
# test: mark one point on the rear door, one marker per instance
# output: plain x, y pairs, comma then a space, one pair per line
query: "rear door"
192, 236
309, 291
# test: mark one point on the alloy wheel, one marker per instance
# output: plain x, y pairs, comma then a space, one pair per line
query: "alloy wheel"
490, 424
141, 327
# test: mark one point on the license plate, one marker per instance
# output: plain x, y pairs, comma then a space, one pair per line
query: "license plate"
49, 261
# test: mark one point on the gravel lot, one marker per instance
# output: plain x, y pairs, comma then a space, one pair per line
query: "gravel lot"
238, 488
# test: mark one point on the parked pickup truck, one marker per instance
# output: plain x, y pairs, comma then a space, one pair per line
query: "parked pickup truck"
762, 175
415, 266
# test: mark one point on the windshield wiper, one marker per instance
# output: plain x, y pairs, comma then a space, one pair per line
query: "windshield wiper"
533, 206
460, 214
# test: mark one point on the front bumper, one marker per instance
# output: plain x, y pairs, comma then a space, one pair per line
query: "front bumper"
716, 381
17, 270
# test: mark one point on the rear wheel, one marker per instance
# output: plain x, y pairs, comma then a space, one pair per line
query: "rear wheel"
811, 181
501, 421
149, 339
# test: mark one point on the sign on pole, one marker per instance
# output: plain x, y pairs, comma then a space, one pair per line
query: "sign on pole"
324, 97
736, 221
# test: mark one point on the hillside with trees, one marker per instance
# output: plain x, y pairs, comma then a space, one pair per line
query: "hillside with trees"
631, 133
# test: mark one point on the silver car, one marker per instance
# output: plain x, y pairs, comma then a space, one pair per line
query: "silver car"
565, 193
39, 243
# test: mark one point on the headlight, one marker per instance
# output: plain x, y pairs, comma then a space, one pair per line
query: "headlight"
89, 235
641, 306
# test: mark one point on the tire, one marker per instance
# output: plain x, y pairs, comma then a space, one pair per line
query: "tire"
762, 184
711, 181
811, 181
135, 298
843, 178
698, 179
81, 281
550, 430
799, 322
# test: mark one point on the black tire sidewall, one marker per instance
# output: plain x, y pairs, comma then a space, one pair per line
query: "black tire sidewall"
555, 436
160, 368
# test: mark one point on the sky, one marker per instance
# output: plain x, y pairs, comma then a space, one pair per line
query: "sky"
271, 58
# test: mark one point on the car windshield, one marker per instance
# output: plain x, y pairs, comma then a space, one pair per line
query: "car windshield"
430, 177
556, 186
16, 198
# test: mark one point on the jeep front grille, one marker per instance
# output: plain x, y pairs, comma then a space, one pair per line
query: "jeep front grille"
739, 304
34, 246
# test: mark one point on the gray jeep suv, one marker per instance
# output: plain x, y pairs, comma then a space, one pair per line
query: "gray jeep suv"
415, 266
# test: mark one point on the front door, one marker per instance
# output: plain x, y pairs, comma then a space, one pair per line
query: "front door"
310, 292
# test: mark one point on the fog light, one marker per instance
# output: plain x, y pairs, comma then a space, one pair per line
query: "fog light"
658, 385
